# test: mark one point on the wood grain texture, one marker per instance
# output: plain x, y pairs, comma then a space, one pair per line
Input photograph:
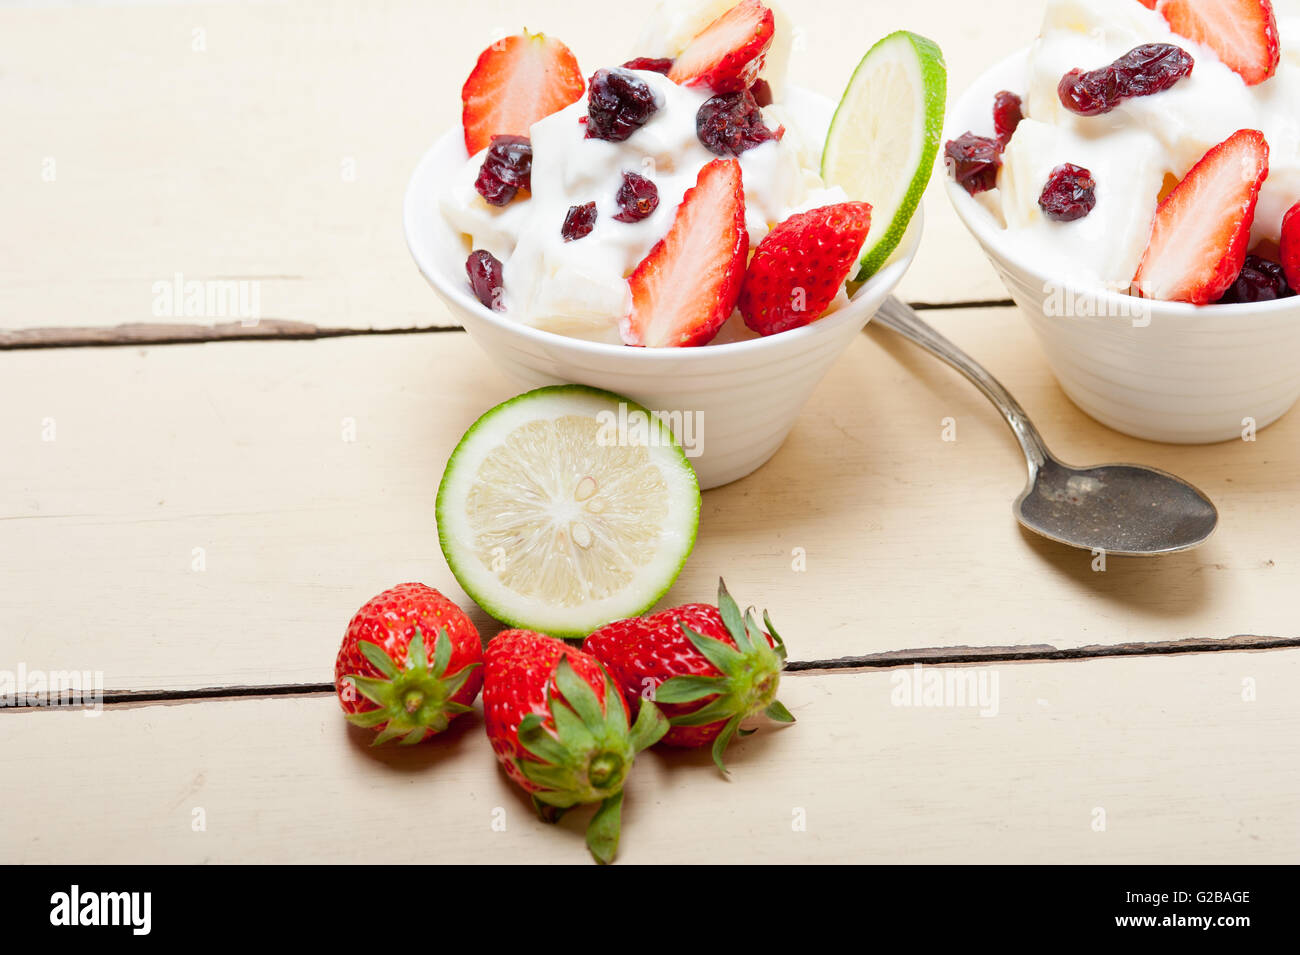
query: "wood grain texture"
240, 449
1164, 751
278, 153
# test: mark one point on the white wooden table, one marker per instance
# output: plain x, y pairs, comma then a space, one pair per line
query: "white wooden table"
194, 507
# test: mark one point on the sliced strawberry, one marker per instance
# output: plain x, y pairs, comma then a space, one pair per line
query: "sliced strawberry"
686, 286
517, 81
1290, 246
727, 55
1149, 4
1243, 33
799, 267
1201, 229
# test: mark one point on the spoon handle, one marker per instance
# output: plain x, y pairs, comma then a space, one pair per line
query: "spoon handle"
898, 316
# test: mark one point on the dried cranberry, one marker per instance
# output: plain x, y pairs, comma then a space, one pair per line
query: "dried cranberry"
484, 271
730, 123
973, 161
653, 64
579, 221
636, 198
762, 91
507, 168
1143, 70
1007, 114
1259, 281
618, 104
1070, 193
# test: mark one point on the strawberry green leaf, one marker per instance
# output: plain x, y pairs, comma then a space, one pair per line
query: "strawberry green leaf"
548, 813
559, 798
615, 711
454, 683
415, 656
723, 740
687, 688
555, 780
650, 727
776, 637
578, 694
534, 738
724, 707
731, 617
367, 718
722, 656
377, 691
441, 653
388, 732
777, 711
381, 660
603, 831
574, 734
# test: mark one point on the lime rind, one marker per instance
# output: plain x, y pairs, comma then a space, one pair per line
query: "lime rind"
923, 61
519, 610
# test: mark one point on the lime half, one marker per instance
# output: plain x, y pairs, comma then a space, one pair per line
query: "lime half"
884, 136
567, 507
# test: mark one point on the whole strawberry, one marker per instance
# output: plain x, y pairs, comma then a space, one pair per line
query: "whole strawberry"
800, 266
560, 727
410, 663
708, 668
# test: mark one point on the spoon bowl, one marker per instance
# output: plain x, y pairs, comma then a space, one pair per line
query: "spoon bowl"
1126, 510
1119, 509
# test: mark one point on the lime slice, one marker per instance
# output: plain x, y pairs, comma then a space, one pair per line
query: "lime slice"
567, 507
884, 136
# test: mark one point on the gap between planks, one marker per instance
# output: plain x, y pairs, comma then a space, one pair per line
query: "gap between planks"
267, 329
892, 659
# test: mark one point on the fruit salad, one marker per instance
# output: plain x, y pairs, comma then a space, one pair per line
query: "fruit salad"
1153, 149
671, 197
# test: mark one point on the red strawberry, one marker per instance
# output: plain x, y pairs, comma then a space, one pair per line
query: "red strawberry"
707, 667
800, 266
727, 55
1149, 4
384, 676
1242, 33
559, 726
686, 286
1290, 246
517, 81
1201, 229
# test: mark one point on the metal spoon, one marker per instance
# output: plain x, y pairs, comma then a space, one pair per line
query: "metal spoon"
1121, 509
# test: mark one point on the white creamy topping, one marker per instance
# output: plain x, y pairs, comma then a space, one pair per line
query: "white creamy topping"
1132, 149
579, 287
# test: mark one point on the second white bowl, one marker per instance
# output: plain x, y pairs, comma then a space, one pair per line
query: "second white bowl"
1163, 371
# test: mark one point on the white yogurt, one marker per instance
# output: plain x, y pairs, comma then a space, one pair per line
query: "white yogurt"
579, 288
1132, 149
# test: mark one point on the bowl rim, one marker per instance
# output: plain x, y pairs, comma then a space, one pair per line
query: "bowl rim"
457, 292
981, 225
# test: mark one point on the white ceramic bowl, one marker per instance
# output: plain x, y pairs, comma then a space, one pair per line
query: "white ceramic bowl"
1170, 372
743, 396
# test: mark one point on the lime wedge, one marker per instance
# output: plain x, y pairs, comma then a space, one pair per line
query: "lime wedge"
884, 136
565, 508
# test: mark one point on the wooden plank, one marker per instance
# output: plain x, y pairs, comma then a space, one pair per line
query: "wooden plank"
867, 532
270, 144
1072, 746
